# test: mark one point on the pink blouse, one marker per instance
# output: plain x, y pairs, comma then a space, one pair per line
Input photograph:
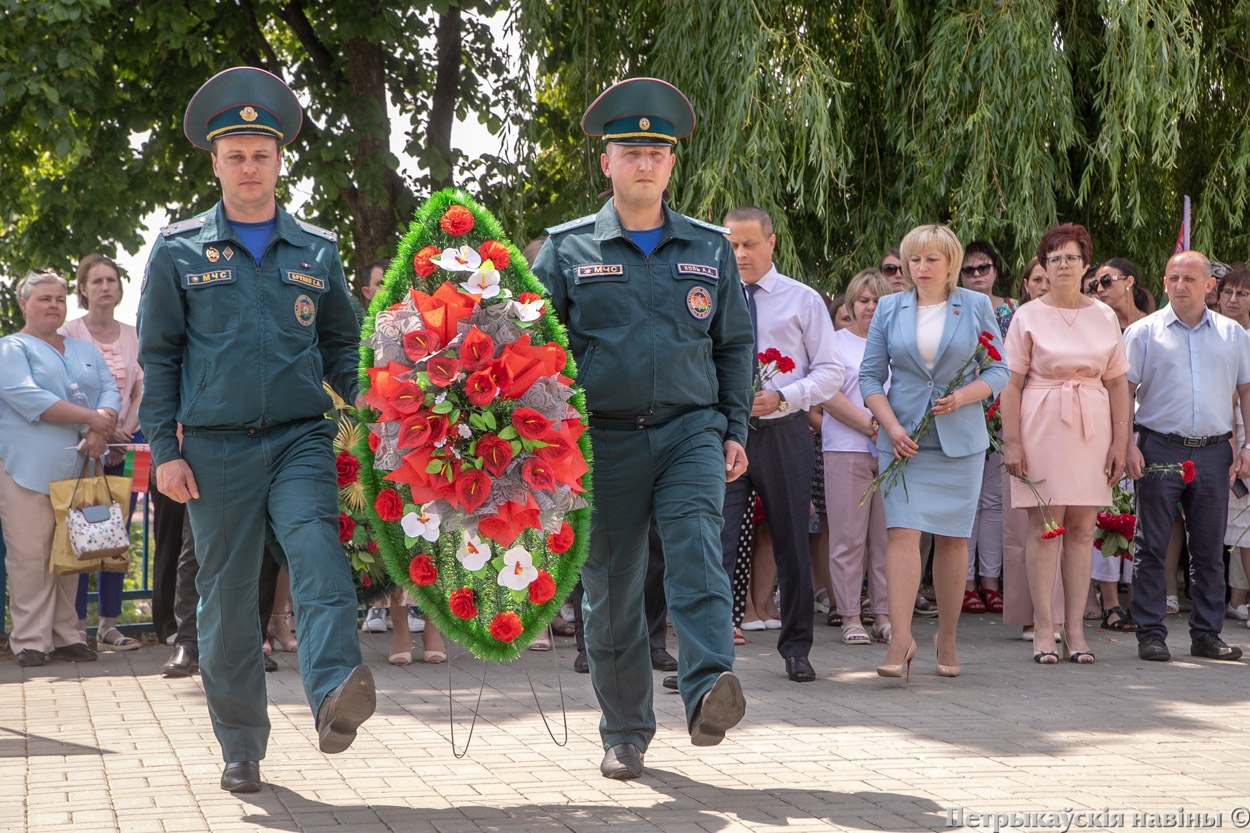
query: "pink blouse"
122, 358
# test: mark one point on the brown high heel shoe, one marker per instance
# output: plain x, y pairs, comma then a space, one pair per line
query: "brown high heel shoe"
944, 670
897, 670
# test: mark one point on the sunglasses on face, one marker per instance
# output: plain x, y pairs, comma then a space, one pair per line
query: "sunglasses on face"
891, 269
1105, 281
980, 270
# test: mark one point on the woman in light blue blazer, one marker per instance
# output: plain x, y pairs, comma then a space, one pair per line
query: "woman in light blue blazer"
919, 339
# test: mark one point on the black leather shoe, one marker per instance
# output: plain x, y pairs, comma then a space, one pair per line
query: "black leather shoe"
344, 709
1212, 647
582, 663
662, 660
1153, 650
241, 777
30, 658
800, 670
78, 652
719, 710
184, 662
622, 762
670, 682
271, 664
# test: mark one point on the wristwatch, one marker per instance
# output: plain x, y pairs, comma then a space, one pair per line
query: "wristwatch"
783, 405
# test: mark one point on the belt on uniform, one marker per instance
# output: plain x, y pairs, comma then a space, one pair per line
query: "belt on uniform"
1188, 442
759, 422
241, 430
637, 421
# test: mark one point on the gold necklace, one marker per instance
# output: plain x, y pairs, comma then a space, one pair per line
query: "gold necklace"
1065, 320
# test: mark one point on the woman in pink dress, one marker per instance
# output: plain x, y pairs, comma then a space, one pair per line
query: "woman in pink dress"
1065, 430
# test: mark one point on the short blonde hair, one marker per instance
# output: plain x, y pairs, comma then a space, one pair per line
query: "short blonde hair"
935, 236
869, 279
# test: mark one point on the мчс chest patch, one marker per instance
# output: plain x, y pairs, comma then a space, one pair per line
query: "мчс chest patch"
699, 302
208, 278
598, 270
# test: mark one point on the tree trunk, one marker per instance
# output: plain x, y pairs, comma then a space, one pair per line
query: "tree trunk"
443, 106
374, 219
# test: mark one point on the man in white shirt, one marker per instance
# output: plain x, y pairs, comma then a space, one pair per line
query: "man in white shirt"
792, 319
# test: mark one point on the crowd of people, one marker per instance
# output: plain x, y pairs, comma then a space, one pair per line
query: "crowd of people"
924, 415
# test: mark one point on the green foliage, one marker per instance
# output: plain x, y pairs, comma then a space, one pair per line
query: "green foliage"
852, 122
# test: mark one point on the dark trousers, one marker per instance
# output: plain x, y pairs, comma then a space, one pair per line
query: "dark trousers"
1205, 504
186, 597
167, 521
653, 599
780, 469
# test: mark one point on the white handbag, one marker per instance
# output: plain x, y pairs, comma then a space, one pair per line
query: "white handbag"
97, 528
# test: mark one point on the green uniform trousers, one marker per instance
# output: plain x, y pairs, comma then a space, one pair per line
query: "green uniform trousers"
281, 480
674, 472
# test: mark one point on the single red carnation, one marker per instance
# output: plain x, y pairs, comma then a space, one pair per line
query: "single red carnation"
506, 626
496, 253
542, 588
992, 353
421, 261
560, 541
457, 220
347, 467
785, 364
461, 603
346, 527
1187, 471
422, 571
388, 505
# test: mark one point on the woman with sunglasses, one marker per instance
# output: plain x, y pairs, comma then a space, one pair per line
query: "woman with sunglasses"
891, 266
1066, 418
1116, 284
979, 273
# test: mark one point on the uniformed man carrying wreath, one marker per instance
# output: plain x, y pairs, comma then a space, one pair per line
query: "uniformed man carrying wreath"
244, 311
659, 329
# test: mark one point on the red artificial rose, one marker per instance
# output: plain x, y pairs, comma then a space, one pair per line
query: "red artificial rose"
480, 388
420, 343
506, 626
538, 474
365, 581
529, 423
374, 442
462, 604
347, 467
494, 453
442, 370
496, 253
472, 488
457, 220
346, 527
422, 571
542, 588
560, 541
421, 261
388, 505
476, 350
1187, 471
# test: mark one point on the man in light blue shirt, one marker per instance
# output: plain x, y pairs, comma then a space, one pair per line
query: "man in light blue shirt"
1187, 367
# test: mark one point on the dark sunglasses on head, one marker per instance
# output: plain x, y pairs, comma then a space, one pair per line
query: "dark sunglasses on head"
1105, 280
978, 270
891, 269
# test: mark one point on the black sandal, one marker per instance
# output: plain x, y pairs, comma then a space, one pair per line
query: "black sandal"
1123, 623
834, 619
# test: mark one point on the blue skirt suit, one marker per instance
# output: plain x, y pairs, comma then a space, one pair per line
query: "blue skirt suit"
939, 487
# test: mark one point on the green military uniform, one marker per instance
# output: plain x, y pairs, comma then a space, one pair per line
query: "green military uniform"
663, 346
236, 354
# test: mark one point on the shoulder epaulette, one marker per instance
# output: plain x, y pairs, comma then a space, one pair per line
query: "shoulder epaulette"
572, 224
709, 226
194, 224
318, 231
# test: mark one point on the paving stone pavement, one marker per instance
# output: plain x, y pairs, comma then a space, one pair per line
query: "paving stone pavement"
112, 746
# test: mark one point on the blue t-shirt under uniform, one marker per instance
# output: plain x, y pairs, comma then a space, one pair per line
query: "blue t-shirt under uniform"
646, 240
255, 236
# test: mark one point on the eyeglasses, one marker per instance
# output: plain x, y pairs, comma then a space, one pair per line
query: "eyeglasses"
1105, 280
891, 269
979, 270
1058, 260
1240, 295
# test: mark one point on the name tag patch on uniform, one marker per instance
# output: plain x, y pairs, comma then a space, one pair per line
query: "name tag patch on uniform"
305, 310
207, 278
709, 272
310, 281
699, 302
599, 270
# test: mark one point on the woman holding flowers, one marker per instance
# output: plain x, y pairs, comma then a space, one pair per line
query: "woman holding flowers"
1066, 427
939, 346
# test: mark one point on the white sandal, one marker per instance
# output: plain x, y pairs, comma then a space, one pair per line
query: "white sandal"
116, 640
855, 635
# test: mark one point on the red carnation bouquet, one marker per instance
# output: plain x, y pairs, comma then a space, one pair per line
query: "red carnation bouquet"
771, 363
1114, 528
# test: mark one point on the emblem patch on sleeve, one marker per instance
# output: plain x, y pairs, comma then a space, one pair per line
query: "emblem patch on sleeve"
699, 302
305, 311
